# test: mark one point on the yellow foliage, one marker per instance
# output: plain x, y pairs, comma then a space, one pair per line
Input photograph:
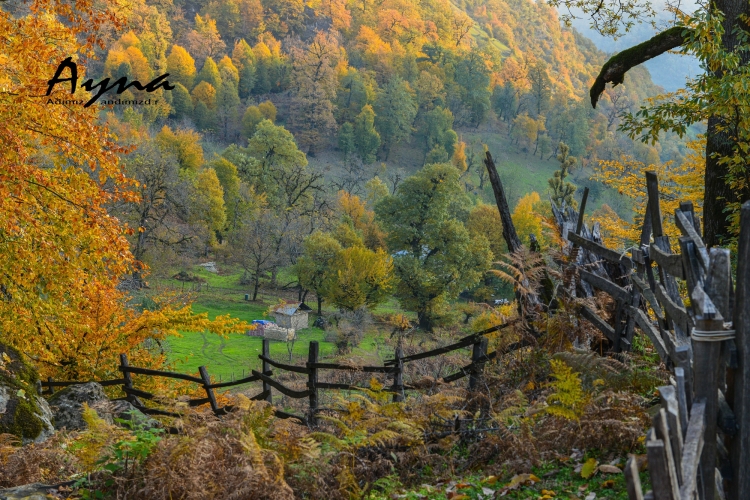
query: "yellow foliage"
676, 184
568, 400
94, 444
527, 220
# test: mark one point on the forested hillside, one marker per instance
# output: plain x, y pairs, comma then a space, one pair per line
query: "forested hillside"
295, 101
354, 249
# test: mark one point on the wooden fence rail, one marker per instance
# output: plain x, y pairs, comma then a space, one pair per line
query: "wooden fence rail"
394, 368
699, 446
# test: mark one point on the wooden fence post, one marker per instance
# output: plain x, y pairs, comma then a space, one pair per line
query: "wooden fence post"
398, 376
51, 389
265, 368
127, 378
312, 381
206, 386
740, 447
706, 356
478, 356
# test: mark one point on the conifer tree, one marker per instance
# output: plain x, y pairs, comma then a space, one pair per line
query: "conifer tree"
227, 70
243, 59
438, 130
205, 118
458, 159
563, 190
182, 103
209, 73
366, 138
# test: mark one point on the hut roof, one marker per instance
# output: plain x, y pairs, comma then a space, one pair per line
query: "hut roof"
290, 309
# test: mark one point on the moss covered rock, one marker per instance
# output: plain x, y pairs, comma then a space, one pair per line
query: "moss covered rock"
23, 412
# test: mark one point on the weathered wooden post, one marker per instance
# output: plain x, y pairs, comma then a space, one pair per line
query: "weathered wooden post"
312, 381
51, 388
265, 368
707, 336
478, 357
127, 378
740, 447
207, 387
398, 376
662, 243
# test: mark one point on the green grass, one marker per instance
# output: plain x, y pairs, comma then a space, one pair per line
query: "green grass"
226, 357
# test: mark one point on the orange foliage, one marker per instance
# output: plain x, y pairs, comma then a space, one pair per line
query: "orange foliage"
63, 254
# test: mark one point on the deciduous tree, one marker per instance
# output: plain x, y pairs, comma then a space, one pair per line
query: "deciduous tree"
181, 66
435, 257
395, 110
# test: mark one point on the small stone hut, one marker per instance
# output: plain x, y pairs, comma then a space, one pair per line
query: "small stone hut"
292, 315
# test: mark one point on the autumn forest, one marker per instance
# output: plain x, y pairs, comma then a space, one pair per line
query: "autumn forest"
243, 194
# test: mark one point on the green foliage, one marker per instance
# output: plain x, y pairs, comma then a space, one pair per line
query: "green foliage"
567, 400
437, 132
346, 139
562, 190
315, 266
435, 257
205, 118
209, 73
353, 94
250, 121
395, 111
182, 103
473, 79
437, 154
127, 453
227, 105
366, 138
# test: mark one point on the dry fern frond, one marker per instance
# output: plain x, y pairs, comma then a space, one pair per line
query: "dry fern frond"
523, 269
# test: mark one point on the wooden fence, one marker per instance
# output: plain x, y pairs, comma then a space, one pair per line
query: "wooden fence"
394, 368
698, 446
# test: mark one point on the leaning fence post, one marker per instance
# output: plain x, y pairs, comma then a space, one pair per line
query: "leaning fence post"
207, 387
265, 368
740, 446
312, 381
127, 378
478, 356
398, 376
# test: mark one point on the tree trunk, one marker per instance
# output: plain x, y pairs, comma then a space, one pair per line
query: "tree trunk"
320, 303
718, 194
509, 230
256, 286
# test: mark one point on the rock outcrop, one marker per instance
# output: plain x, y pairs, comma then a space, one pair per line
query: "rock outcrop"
34, 491
67, 405
23, 412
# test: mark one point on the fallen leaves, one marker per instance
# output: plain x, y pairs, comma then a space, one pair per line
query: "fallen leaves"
589, 468
609, 469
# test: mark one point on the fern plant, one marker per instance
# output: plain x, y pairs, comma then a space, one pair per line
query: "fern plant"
568, 399
369, 419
